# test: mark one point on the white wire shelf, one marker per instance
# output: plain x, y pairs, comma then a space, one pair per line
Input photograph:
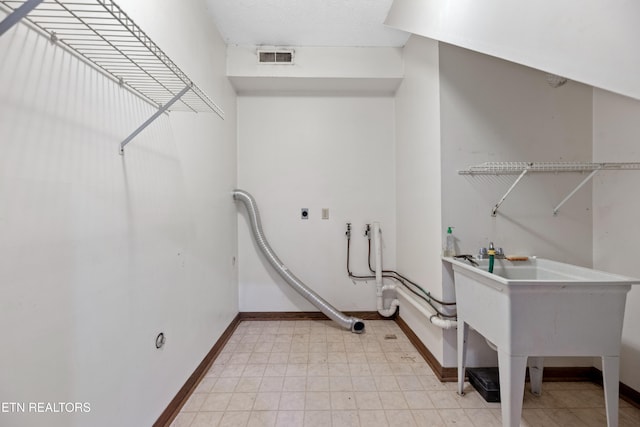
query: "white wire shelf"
516, 168
523, 168
102, 34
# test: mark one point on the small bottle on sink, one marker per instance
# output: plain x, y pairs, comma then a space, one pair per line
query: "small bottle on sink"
449, 244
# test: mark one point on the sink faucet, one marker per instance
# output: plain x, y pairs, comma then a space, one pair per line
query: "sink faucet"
484, 252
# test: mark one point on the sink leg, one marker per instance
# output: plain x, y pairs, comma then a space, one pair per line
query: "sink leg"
611, 379
463, 334
512, 373
536, 367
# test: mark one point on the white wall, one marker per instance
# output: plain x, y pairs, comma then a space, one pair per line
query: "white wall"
615, 212
418, 192
314, 152
572, 38
493, 110
100, 252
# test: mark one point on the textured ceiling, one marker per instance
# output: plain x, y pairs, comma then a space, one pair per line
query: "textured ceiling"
305, 22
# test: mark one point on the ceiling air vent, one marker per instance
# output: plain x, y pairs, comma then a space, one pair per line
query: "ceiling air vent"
275, 56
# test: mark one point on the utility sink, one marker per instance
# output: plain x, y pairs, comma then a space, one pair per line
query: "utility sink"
537, 308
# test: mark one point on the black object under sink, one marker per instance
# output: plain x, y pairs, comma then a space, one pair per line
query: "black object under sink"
486, 381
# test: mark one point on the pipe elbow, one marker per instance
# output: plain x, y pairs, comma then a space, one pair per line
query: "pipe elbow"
443, 323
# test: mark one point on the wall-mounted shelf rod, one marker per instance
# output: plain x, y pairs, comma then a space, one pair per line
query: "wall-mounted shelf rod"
494, 211
157, 114
99, 32
579, 186
523, 168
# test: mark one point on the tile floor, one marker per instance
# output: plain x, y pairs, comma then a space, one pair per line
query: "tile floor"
312, 373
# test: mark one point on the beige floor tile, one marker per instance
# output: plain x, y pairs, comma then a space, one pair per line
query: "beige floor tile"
359, 369
262, 419
455, 417
363, 383
234, 419
314, 373
215, 371
630, 415
343, 400
207, 419
271, 384
386, 383
290, 418
422, 369
368, 400
296, 370
317, 370
428, 418
254, 370
345, 419
300, 348
317, 418
227, 384
294, 384
471, 400
337, 358
400, 418
278, 358
378, 369
194, 403
267, 401
577, 398
591, 417
292, 401
317, 383
533, 418
183, 419
248, 385
258, 358
409, 382
565, 418
339, 370
275, 370
241, 402
401, 368
320, 358
340, 383
317, 401
444, 399
376, 418
232, 370
393, 400
418, 400
431, 383
378, 357
482, 417
206, 384
280, 347
298, 358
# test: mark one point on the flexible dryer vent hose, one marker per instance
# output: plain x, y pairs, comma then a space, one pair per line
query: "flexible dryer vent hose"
353, 324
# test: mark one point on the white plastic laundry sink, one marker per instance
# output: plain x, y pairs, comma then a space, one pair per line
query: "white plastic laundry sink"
537, 308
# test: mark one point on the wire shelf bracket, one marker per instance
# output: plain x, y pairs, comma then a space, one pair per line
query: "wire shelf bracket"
102, 34
17, 15
523, 168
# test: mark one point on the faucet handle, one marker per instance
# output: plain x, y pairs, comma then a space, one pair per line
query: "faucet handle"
483, 252
499, 252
